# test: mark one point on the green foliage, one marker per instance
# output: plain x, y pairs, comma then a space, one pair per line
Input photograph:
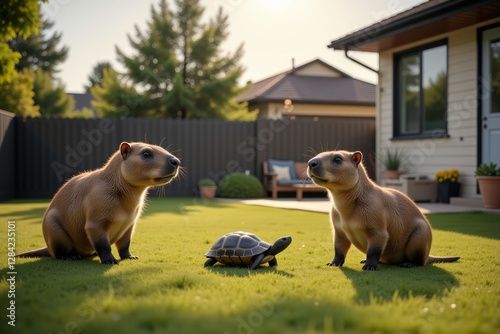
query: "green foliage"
167, 290
50, 95
96, 77
40, 51
240, 185
206, 182
393, 159
490, 169
17, 19
177, 69
85, 113
114, 99
17, 95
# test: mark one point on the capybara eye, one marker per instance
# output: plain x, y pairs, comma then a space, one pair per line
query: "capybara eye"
337, 160
147, 154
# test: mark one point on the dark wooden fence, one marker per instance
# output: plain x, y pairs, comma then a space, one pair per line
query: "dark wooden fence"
38, 154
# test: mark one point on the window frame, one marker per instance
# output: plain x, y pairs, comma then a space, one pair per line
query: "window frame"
396, 110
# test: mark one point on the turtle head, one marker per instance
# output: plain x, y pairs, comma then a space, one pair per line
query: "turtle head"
280, 245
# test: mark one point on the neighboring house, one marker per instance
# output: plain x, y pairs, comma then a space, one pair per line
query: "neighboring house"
439, 85
312, 90
82, 100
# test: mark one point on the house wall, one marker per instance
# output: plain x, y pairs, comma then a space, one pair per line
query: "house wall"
323, 110
427, 156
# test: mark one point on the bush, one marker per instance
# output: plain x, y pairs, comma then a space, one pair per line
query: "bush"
240, 185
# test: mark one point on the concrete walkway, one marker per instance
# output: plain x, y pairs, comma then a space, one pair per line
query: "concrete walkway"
323, 205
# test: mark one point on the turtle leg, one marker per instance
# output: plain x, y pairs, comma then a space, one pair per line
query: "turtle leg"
273, 262
257, 260
210, 262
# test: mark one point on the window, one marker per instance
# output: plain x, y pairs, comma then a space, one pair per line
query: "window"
420, 102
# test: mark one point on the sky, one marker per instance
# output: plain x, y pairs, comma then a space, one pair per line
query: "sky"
273, 32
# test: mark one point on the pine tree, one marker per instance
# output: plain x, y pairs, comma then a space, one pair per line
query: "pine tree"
177, 69
97, 75
49, 95
40, 51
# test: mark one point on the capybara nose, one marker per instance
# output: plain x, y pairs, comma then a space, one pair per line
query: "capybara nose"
174, 161
315, 162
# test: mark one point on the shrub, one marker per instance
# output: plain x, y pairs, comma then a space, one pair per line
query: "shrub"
240, 185
206, 182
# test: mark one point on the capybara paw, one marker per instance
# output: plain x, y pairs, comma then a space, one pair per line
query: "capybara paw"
129, 257
335, 263
370, 267
110, 261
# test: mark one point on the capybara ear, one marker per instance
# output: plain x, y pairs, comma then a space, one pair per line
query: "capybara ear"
125, 150
357, 157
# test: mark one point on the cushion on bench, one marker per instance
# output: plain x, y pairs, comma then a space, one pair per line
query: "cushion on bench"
281, 167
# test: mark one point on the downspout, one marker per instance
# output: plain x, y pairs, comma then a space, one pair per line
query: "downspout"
377, 106
358, 62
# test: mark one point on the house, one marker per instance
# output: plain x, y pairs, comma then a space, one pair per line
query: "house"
83, 100
315, 89
439, 85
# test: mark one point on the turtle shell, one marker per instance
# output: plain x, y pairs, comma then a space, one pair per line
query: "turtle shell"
238, 248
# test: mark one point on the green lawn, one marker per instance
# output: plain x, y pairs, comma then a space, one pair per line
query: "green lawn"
168, 290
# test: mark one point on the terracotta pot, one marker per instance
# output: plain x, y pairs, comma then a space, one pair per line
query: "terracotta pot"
391, 174
489, 187
208, 191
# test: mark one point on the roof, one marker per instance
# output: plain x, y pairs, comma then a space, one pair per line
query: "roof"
82, 100
300, 88
428, 19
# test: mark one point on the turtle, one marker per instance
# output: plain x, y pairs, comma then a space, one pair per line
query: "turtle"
245, 248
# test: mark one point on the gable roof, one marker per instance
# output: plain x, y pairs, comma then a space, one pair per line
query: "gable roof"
428, 19
303, 88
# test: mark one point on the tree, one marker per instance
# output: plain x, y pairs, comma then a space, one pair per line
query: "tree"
17, 19
17, 95
50, 96
97, 74
177, 69
114, 99
40, 51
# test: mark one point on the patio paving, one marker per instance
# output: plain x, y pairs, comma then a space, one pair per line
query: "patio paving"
323, 205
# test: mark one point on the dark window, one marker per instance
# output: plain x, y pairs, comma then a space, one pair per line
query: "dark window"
420, 102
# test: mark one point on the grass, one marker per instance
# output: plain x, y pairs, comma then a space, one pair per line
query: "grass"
168, 290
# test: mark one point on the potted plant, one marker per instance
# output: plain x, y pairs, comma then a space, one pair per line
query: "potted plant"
208, 188
392, 160
448, 183
488, 178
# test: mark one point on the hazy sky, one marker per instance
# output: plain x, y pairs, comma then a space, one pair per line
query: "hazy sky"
272, 32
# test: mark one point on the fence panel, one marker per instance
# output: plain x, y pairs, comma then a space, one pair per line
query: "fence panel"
7, 155
50, 150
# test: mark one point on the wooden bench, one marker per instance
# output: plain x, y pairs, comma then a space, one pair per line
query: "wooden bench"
299, 185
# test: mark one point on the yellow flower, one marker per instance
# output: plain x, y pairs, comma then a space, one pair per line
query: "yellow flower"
447, 175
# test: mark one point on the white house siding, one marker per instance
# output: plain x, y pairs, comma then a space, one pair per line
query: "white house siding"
427, 156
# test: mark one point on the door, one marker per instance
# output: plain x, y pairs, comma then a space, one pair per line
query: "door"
490, 96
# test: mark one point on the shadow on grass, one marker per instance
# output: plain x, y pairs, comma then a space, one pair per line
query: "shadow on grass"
180, 205
244, 271
480, 224
390, 281
35, 213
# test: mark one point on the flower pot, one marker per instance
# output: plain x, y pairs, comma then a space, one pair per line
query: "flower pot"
391, 174
208, 191
489, 187
447, 190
